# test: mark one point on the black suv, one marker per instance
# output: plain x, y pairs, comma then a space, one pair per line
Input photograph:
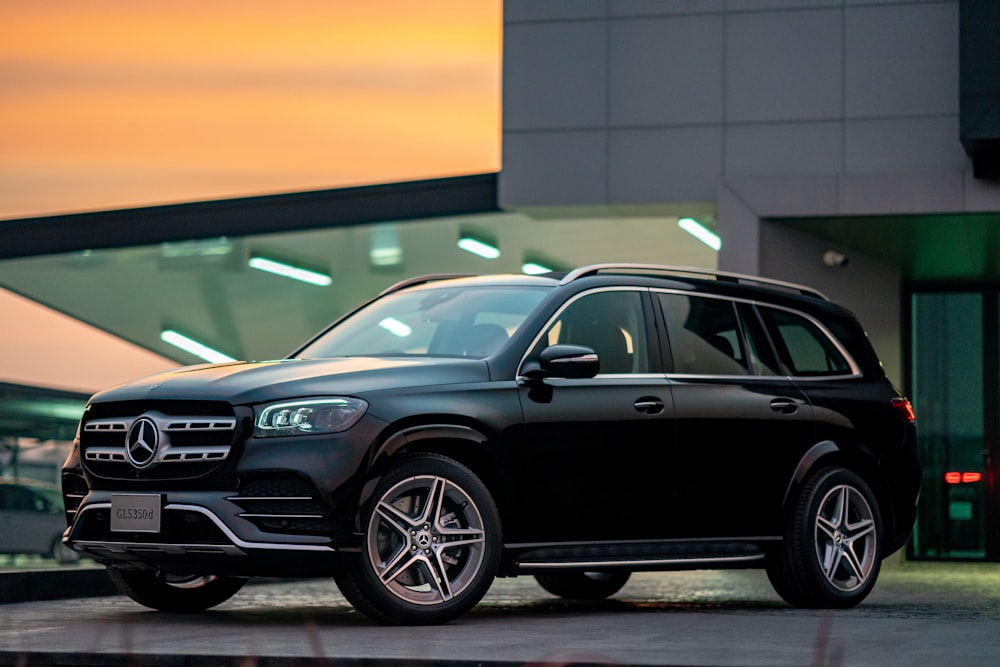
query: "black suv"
576, 427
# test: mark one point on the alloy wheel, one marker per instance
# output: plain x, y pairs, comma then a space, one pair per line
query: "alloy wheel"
846, 539
426, 540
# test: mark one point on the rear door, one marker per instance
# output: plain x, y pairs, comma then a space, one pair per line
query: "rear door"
742, 426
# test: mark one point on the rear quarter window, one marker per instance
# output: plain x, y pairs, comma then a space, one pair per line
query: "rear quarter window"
804, 347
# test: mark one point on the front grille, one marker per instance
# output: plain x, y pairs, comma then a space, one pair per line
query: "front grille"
285, 504
179, 440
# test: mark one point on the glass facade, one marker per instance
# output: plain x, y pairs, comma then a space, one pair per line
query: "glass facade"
950, 372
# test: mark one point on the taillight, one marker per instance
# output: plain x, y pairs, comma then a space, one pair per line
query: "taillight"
904, 408
963, 477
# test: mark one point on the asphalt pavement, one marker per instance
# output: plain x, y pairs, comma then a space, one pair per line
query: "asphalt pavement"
918, 614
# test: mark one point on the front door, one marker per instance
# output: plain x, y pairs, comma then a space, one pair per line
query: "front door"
592, 466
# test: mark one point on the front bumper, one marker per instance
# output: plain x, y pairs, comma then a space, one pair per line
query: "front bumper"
203, 533
272, 507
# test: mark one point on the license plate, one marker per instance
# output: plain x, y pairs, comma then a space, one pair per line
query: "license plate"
135, 513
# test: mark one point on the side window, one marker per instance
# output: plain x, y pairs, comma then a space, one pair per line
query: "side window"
804, 348
705, 335
610, 323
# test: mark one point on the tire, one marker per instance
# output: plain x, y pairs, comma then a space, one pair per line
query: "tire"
583, 585
431, 545
61, 553
831, 553
178, 593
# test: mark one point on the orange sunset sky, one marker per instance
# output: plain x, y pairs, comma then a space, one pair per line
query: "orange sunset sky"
120, 103
115, 103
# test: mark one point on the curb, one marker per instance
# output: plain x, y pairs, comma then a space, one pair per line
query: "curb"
34, 585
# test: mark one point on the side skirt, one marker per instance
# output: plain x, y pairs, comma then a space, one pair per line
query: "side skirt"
636, 556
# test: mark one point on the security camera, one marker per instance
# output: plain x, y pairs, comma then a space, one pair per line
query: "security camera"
835, 259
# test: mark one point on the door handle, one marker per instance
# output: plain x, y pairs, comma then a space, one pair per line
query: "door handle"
784, 406
649, 405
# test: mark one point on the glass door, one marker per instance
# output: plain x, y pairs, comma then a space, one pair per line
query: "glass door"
953, 376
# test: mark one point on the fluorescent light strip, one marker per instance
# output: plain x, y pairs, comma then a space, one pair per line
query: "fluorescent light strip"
695, 229
477, 247
192, 346
534, 269
289, 271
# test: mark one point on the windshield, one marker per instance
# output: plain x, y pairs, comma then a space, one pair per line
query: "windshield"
467, 321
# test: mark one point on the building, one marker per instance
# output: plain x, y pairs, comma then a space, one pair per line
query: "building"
853, 145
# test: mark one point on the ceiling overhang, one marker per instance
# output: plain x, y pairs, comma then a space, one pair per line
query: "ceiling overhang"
952, 248
248, 215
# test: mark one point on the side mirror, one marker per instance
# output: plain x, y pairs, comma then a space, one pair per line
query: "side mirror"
574, 362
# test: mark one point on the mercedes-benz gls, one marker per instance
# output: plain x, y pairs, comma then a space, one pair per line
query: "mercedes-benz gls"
576, 427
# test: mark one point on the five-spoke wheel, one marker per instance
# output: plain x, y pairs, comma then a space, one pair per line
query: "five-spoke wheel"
830, 556
431, 549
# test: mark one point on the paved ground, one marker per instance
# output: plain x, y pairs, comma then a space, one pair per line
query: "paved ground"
919, 614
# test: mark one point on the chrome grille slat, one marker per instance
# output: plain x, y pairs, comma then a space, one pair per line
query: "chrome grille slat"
106, 454
105, 426
199, 424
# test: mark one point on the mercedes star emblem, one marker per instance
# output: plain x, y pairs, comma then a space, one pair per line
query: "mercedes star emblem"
141, 442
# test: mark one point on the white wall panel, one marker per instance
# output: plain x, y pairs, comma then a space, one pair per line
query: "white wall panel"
666, 71
784, 148
664, 165
549, 10
664, 8
784, 66
560, 75
902, 61
554, 168
903, 145
757, 5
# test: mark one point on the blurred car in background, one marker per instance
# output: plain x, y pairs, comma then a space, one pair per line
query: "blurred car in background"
32, 521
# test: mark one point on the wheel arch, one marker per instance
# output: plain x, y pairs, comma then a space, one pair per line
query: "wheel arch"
465, 444
856, 458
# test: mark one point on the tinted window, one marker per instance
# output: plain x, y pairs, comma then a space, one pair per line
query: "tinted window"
610, 323
467, 321
705, 335
804, 348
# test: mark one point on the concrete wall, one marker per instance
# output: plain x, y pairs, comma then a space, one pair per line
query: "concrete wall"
630, 101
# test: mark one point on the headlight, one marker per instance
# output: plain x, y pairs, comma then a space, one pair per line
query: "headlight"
307, 416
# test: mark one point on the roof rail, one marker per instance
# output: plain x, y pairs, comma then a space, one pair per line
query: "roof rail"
420, 280
632, 269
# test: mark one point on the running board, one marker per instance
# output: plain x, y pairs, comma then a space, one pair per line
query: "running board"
674, 562
638, 556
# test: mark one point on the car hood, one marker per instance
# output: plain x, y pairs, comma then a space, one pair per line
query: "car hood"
252, 382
